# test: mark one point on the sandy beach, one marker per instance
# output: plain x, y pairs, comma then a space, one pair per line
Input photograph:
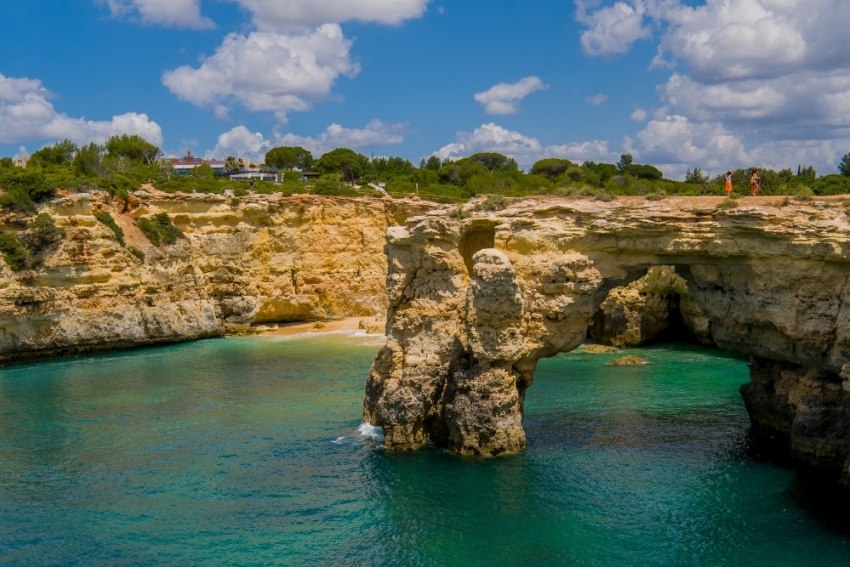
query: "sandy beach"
371, 325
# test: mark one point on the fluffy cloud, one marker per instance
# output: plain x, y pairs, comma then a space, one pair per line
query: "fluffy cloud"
675, 139
757, 81
27, 115
676, 144
376, 133
578, 152
170, 13
525, 150
491, 137
241, 142
612, 29
274, 15
754, 39
504, 98
267, 71
292, 59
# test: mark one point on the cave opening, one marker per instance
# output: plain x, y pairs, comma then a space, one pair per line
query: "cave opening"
476, 236
656, 306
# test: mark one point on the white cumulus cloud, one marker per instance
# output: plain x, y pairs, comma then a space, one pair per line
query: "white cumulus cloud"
612, 29
274, 15
26, 115
241, 142
756, 81
524, 149
169, 13
491, 137
580, 152
267, 71
504, 98
375, 133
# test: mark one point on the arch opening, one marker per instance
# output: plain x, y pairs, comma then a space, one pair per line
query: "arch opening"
653, 307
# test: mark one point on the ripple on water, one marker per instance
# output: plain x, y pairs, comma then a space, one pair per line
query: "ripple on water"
252, 451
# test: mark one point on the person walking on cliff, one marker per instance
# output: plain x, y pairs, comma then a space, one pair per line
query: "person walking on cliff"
728, 187
755, 183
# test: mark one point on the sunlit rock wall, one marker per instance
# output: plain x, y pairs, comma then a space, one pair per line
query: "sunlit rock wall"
243, 261
475, 299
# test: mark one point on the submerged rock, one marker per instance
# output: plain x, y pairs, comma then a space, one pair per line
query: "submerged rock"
600, 349
628, 360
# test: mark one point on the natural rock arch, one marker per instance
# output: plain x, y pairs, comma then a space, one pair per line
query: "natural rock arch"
468, 323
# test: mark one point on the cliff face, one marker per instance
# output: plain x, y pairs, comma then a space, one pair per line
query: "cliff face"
475, 302
255, 259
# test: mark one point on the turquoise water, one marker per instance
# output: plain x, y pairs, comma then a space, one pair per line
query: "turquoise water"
246, 451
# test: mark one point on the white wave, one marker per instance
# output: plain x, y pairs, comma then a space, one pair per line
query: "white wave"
374, 432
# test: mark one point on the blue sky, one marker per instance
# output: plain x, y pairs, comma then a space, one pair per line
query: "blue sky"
714, 84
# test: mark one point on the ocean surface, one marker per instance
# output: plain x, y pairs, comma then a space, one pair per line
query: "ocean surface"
250, 451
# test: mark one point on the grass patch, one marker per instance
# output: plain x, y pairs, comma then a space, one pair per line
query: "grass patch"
136, 252
106, 218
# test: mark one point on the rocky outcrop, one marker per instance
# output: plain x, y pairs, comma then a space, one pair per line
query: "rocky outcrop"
642, 311
244, 261
475, 302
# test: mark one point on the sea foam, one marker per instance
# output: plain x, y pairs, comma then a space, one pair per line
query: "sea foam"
374, 432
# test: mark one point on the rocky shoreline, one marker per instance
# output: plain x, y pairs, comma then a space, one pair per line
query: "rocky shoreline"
242, 262
475, 299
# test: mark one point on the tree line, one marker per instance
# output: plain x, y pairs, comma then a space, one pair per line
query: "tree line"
125, 162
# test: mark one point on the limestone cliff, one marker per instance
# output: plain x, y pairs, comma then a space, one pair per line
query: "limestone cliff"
253, 259
475, 299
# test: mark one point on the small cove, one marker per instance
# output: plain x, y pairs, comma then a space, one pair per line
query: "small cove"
247, 451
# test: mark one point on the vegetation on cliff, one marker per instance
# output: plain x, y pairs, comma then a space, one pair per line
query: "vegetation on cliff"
25, 249
159, 229
106, 219
124, 163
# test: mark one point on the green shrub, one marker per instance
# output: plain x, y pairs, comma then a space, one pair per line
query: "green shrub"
833, 184
43, 233
160, 230
459, 213
136, 252
15, 254
17, 200
120, 186
494, 203
332, 185
33, 183
107, 219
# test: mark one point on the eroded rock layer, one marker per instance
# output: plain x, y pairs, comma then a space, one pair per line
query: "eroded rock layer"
475, 299
243, 261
